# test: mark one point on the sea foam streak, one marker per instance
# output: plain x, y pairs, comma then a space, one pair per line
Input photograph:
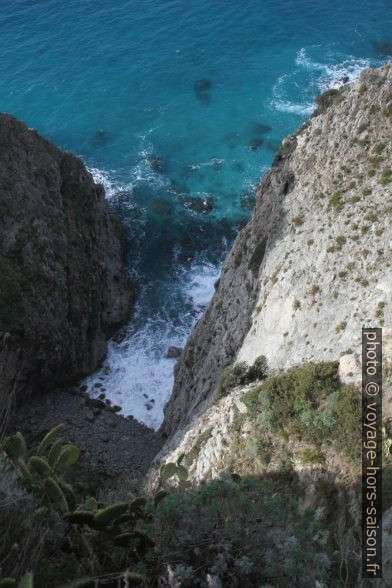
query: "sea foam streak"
335, 74
322, 76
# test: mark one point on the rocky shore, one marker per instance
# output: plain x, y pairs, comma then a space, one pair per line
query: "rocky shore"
262, 459
64, 291
115, 451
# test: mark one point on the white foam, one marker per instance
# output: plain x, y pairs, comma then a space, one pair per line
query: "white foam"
142, 172
303, 60
211, 162
323, 76
199, 284
335, 74
136, 374
300, 109
282, 104
106, 179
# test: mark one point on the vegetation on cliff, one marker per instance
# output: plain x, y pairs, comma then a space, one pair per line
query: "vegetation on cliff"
313, 263
237, 530
262, 487
283, 511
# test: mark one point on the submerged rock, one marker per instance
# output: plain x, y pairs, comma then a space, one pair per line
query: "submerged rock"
273, 146
155, 162
63, 289
233, 139
202, 85
101, 138
238, 167
255, 143
201, 88
383, 47
161, 206
205, 204
261, 128
247, 202
204, 97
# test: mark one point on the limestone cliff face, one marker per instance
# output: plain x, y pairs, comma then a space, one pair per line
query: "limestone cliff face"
63, 286
313, 265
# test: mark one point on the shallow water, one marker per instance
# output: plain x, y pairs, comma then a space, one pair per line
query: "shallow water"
178, 109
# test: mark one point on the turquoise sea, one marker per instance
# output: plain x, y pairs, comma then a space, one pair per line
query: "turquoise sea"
177, 108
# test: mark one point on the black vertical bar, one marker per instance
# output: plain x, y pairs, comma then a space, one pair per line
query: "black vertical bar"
372, 453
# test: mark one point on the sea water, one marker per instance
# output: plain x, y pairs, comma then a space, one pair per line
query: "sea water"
178, 109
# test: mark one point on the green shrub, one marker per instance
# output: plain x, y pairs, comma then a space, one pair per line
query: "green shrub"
371, 217
310, 402
258, 370
379, 313
315, 289
240, 374
311, 456
341, 327
336, 201
386, 176
298, 221
327, 99
228, 521
379, 148
296, 304
340, 241
231, 377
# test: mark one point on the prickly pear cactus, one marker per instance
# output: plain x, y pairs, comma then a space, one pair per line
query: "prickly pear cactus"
49, 439
56, 494
105, 516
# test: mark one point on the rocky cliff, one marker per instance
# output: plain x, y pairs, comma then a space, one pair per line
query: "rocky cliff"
63, 287
313, 265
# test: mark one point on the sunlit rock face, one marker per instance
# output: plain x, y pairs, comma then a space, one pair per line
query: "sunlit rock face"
313, 265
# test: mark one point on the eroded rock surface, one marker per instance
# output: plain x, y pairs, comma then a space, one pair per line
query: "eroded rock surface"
63, 287
313, 265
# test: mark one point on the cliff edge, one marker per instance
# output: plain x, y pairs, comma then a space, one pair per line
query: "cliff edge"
63, 288
313, 265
